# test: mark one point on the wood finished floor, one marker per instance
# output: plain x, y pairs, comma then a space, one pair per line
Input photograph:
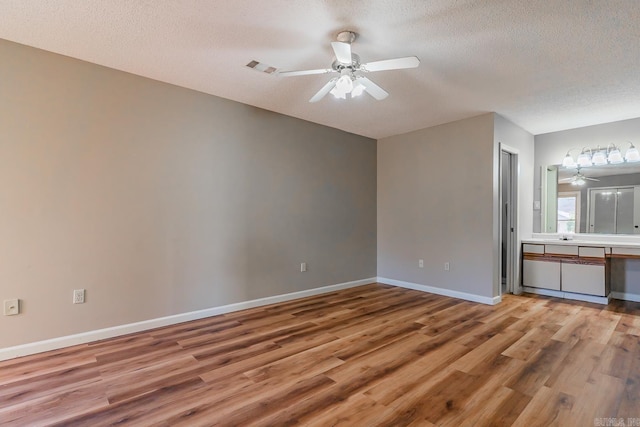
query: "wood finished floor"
371, 355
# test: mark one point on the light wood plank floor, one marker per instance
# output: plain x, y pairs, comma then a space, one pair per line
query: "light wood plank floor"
371, 355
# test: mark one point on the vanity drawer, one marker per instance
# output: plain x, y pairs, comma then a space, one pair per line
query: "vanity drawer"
625, 251
533, 249
591, 252
561, 249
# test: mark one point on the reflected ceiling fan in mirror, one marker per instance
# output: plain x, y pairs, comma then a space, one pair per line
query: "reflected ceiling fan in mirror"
577, 179
351, 80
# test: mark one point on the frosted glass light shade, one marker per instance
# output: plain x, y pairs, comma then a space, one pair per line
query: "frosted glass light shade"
632, 155
599, 158
338, 93
615, 157
584, 160
344, 84
358, 89
568, 161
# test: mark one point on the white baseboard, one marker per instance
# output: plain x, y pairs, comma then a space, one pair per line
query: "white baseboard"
441, 291
568, 295
625, 296
100, 334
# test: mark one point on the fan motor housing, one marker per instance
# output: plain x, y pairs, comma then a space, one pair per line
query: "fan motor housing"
355, 63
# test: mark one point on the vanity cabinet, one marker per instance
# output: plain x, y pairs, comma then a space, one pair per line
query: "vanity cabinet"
587, 274
565, 270
583, 279
541, 274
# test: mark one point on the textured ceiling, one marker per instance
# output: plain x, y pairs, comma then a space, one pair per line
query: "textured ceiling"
545, 65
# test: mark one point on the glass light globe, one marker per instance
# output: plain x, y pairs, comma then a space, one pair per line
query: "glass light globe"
615, 156
584, 160
599, 158
344, 84
632, 155
568, 161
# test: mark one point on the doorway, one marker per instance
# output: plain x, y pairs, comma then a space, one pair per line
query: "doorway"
509, 221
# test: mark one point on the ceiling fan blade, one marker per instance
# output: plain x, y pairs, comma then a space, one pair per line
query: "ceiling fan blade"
342, 51
567, 180
392, 64
325, 90
305, 72
373, 89
590, 179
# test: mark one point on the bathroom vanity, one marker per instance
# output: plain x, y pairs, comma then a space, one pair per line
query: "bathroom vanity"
576, 269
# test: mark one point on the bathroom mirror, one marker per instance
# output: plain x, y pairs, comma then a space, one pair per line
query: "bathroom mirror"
596, 199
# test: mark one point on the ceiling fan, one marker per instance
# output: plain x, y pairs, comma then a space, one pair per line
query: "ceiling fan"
577, 179
351, 80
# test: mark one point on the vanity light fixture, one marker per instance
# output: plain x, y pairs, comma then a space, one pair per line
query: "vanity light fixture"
601, 157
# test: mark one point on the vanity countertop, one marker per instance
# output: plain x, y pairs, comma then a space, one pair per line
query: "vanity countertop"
613, 243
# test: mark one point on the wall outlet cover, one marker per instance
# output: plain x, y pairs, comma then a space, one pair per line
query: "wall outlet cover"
78, 296
11, 307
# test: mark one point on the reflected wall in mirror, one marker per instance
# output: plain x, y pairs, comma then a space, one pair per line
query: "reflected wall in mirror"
597, 199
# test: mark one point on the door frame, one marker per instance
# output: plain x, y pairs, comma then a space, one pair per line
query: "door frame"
513, 241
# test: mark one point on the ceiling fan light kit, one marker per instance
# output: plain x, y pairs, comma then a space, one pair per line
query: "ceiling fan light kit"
578, 178
352, 82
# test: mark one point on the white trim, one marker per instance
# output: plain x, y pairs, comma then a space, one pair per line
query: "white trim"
568, 295
100, 334
625, 296
441, 291
513, 247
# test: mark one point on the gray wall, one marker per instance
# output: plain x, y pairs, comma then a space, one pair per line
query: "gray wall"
438, 200
551, 148
435, 202
160, 200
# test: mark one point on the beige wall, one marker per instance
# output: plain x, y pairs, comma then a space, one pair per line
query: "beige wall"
436, 202
160, 200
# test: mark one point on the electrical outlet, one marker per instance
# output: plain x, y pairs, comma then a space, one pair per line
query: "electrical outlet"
78, 296
11, 307
421, 263
446, 266
303, 267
